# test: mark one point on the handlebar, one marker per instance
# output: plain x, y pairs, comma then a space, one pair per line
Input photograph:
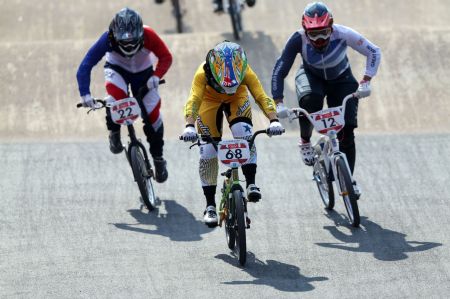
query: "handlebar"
298, 111
208, 139
103, 101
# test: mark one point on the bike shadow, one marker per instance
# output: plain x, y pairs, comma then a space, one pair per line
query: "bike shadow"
384, 244
281, 276
178, 224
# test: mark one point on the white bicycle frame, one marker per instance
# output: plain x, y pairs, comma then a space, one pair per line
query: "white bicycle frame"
328, 122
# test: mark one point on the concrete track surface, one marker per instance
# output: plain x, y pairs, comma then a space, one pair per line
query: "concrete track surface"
70, 219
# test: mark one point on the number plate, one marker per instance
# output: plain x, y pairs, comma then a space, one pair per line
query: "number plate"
125, 111
328, 119
234, 153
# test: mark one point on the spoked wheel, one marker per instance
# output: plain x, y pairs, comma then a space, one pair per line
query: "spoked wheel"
324, 184
230, 230
142, 177
178, 15
236, 20
348, 194
240, 225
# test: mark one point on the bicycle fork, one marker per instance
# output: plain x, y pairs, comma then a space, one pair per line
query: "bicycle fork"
231, 183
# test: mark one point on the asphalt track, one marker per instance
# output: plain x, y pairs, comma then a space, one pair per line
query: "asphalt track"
70, 219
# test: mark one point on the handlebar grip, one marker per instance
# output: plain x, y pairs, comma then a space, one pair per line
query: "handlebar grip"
79, 105
163, 81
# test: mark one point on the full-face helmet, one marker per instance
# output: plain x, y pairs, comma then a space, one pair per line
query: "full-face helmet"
317, 21
228, 65
127, 31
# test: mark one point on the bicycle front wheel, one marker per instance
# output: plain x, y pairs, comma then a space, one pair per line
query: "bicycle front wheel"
241, 241
348, 194
142, 177
324, 184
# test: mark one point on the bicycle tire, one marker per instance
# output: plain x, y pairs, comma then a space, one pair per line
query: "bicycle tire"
348, 194
324, 184
230, 222
178, 15
240, 227
236, 20
141, 176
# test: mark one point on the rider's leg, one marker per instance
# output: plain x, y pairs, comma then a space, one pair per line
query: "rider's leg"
310, 94
337, 90
239, 116
154, 131
150, 103
117, 88
209, 122
242, 129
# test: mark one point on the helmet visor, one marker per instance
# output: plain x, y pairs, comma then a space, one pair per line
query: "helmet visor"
316, 34
129, 46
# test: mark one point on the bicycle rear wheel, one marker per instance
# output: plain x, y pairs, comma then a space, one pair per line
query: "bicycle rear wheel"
240, 225
348, 194
324, 184
236, 19
142, 177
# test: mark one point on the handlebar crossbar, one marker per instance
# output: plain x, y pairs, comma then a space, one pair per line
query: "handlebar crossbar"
103, 101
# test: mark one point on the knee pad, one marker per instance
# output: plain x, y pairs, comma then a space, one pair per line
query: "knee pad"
207, 151
311, 102
243, 130
208, 170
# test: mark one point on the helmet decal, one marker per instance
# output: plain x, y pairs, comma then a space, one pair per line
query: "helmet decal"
228, 64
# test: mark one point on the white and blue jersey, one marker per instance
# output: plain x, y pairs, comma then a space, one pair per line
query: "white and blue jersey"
328, 64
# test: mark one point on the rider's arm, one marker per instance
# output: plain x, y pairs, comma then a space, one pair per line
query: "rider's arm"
359, 43
93, 56
284, 64
195, 96
264, 102
155, 44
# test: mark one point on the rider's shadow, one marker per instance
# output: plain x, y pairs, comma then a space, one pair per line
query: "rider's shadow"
281, 276
178, 223
385, 244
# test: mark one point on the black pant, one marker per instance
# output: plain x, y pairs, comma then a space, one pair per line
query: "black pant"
311, 92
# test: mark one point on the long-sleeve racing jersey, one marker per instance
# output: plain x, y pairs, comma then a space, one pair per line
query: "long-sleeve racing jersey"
143, 59
328, 64
201, 91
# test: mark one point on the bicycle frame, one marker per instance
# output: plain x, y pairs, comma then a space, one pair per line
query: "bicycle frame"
232, 181
328, 143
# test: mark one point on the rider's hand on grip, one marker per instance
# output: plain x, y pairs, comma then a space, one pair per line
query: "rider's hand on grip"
275, 128
153, 82
87, 101
363, 89
282, 111
189, 134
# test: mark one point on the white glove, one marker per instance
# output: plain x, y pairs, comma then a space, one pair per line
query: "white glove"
153, 82
189, 134
87, 101
282, 111
275, 128
364, 89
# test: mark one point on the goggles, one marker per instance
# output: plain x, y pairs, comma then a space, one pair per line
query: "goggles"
319, 34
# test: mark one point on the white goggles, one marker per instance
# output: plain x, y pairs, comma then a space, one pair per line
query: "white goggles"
319, 34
